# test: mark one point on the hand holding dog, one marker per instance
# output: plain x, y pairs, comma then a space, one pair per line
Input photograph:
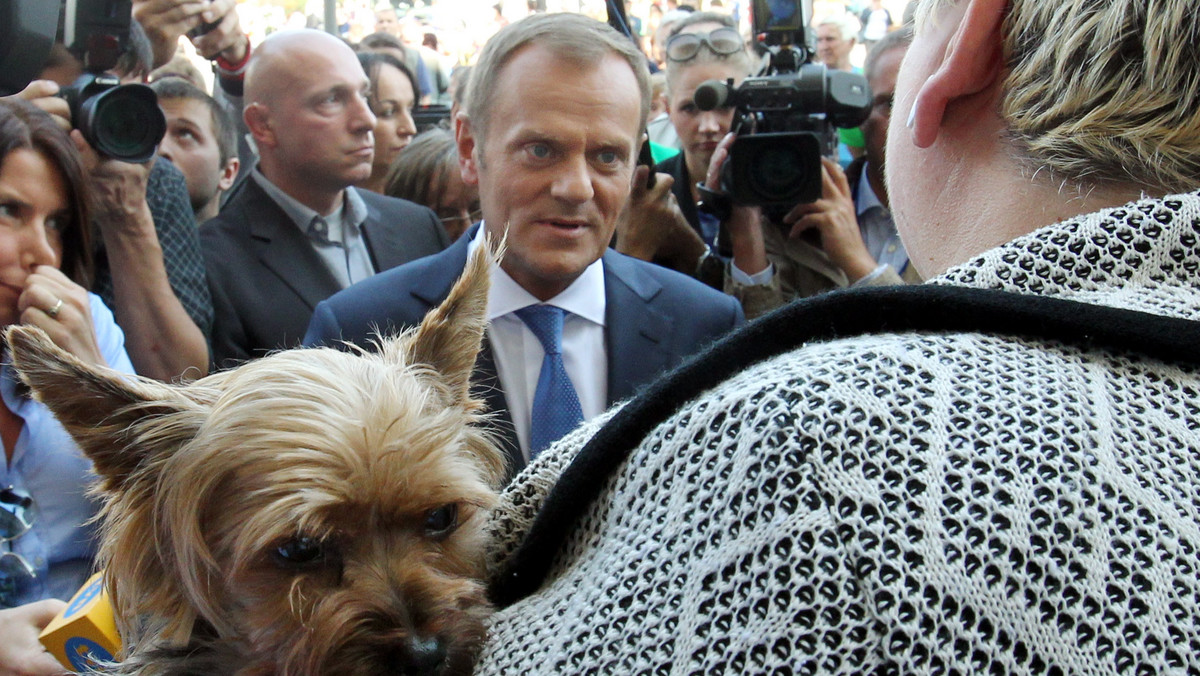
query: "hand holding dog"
20, 652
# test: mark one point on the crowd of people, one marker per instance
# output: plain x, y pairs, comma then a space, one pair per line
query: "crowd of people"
871, 471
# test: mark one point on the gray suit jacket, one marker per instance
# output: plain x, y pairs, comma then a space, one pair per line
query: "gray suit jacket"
654, 319
265, 277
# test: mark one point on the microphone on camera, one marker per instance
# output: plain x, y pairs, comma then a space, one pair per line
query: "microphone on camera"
713, 94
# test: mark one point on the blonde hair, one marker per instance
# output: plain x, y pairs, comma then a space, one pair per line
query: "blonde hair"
739, 60
1110, 98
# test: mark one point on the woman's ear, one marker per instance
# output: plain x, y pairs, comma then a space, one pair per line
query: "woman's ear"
971, 64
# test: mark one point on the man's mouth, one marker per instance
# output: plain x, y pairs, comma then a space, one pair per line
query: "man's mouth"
568, 224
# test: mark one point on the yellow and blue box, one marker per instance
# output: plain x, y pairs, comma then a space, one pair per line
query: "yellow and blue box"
84, 636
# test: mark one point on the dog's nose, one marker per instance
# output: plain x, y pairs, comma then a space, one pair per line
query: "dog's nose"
422, 656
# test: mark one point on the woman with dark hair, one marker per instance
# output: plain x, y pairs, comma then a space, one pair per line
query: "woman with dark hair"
427, 173
393, 97
46, 537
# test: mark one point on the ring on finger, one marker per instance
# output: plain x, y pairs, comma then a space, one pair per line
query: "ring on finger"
53, 312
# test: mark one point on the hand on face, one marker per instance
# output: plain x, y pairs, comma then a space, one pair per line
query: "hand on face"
833, 215
60, 307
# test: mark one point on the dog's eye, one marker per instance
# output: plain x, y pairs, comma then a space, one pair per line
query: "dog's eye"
300, 551
441, 521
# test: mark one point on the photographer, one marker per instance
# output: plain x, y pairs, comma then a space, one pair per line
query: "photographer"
215, 30
148, 265
813, 248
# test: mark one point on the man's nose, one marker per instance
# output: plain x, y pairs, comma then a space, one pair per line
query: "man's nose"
361, 117
574, 182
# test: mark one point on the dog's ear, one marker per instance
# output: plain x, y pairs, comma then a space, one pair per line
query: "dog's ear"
450, 336
104, 409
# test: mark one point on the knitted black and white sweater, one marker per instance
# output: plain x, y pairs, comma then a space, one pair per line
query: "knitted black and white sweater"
928, 481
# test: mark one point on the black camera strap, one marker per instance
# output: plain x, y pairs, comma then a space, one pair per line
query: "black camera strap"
839, 314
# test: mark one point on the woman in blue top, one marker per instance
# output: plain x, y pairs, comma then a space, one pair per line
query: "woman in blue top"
46, 543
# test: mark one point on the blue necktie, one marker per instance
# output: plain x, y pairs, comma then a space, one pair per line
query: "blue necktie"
556, 408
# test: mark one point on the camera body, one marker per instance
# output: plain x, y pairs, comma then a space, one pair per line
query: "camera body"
786, 116
120, 121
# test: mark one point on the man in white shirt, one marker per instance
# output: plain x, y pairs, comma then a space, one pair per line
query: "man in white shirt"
556, 109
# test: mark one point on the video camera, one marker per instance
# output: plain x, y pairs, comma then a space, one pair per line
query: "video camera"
120, 121
786, 116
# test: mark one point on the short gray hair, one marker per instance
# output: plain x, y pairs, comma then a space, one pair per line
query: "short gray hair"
847, 25
573, 37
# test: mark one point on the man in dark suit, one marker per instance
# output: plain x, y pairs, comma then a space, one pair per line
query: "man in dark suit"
297, 231
556, 108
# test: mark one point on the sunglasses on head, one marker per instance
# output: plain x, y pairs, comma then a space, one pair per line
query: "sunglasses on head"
685, 46
16, 518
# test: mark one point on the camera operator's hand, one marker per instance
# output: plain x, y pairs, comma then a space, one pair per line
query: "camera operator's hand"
44, 95
20, 652
653, 228
119, 188
744, 224
834, 217
166, 20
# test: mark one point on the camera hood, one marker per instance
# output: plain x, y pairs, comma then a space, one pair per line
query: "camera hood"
27, 31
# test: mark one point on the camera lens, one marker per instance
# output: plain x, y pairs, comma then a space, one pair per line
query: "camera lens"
124, 123
780, 169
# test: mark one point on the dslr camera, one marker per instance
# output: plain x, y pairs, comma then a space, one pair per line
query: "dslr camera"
120, 121
786, 116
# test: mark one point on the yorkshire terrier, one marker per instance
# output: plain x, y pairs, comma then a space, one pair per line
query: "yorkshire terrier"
314, 512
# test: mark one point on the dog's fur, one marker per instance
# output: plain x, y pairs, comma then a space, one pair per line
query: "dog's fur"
295, 516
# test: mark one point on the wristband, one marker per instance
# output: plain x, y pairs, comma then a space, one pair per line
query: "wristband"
234, 69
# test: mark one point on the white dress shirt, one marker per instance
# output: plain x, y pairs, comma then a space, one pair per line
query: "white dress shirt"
518, 353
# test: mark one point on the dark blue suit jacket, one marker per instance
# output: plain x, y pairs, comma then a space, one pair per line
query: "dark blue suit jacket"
654, 319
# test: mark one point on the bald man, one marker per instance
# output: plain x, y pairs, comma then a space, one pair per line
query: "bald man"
297, 231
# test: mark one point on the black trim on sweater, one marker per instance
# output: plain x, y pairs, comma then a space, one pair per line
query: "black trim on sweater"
831, 316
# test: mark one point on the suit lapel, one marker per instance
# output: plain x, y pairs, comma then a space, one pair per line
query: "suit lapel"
384, 241
485, 385
636, 334
284, 250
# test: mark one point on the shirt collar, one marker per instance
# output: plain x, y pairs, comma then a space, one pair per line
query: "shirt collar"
355, 208
584, 297
867, 199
